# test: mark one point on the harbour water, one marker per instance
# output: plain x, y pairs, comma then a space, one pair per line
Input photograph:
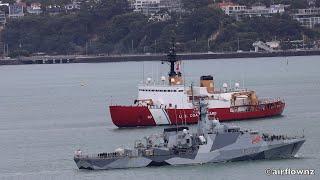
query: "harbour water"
49, 111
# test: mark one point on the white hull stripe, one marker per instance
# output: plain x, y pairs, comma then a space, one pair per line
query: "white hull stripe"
160, 116
166, 114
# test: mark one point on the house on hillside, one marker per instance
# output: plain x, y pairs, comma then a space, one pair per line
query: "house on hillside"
34, 8
231, 9
240, 11
4, 4
3, 19
16, 10
160, 17
277, 8
146, 7
151, 7
263, 11
73, 6
54, 9
171, 5
307, 17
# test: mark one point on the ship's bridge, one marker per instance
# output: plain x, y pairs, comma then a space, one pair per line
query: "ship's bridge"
164, 95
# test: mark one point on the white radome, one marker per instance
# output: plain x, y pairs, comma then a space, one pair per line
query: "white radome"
185, 131
225, 85
237, 85
202, 139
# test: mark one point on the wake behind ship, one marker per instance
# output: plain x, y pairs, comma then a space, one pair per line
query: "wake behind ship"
171, 102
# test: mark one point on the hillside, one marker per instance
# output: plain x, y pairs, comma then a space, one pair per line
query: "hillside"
111, 27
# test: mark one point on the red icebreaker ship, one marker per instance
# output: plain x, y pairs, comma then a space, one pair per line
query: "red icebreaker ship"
172, 103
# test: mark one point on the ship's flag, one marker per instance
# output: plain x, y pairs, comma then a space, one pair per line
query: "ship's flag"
178, 66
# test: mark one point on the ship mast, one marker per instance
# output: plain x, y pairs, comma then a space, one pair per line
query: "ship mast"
172, 59
175, 77
203, 110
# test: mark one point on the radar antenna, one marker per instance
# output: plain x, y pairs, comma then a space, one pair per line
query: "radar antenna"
174, 77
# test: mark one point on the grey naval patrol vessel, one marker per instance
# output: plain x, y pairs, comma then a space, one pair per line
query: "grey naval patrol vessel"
212, 142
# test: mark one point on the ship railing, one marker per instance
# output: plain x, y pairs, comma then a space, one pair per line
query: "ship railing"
263, 101
221, 90
260, 106
269, 100
104, 155
157, 84
273, 137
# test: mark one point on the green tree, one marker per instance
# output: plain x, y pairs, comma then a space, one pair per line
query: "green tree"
299, 4
194, 4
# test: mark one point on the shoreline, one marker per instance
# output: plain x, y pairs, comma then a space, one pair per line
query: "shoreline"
64, 59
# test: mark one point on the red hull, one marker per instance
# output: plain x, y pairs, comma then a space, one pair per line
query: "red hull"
129, 116
224, 114
132, 116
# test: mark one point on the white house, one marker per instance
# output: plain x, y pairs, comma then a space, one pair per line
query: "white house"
307, 17
151, 7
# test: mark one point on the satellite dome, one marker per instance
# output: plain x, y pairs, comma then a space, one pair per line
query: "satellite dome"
185, 131
225, 85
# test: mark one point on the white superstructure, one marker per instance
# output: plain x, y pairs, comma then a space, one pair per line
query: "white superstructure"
181, 97
166, 96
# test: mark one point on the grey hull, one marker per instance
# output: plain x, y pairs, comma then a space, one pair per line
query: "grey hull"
212, 143
262, 151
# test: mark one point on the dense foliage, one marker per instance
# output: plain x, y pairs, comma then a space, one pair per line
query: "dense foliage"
109, 26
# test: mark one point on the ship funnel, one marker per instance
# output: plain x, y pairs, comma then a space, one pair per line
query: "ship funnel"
203, 119
207, 81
